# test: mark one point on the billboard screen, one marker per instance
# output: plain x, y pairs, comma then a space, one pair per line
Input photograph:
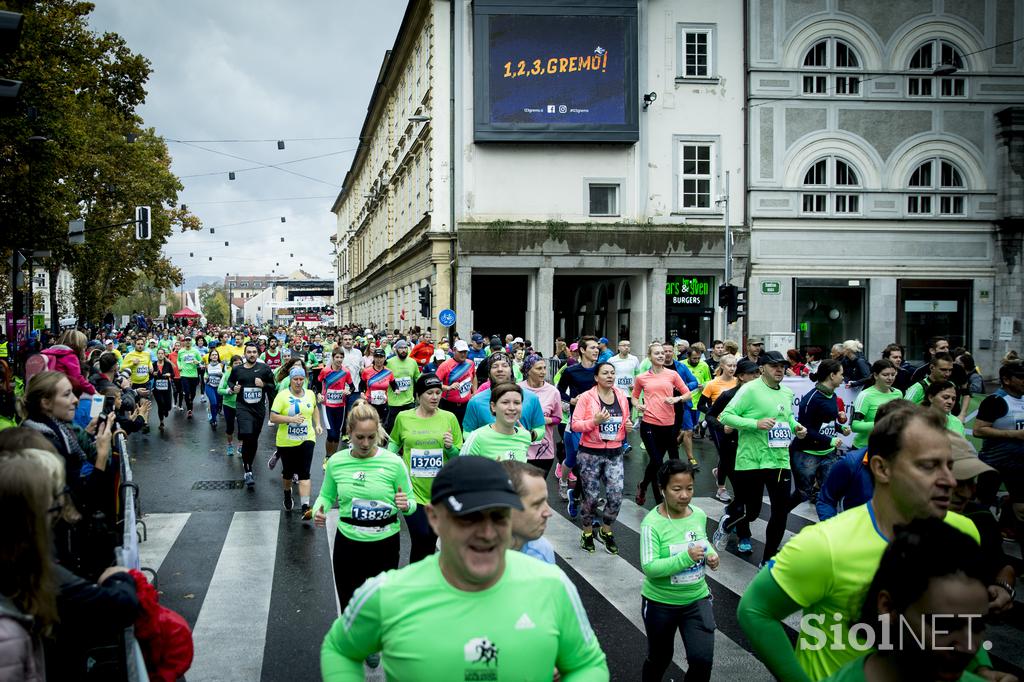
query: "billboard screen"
558, 73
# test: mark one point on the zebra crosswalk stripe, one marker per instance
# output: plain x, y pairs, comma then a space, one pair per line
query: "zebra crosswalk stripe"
162, 531
619, 583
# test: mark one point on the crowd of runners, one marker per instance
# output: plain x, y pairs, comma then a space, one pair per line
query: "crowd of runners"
459, 440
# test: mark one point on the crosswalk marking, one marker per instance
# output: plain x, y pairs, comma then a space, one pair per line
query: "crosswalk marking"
232, 627
804, 510
162, 531
619, 583
713, 508
734, 573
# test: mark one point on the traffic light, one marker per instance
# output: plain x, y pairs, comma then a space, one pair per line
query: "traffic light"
425, 302
738, 305
10, 36
142, 226
725, 295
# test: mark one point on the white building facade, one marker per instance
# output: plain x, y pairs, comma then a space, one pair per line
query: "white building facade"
879, 184
558, 229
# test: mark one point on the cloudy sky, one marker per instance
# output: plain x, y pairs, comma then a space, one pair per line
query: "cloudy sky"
227, 72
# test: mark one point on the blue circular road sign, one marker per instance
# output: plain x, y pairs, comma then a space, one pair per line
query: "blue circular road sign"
446, 317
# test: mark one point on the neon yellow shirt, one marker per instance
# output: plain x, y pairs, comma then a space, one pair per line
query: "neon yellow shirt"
138, 362
521, 628
365, 489
290, 435
827, 569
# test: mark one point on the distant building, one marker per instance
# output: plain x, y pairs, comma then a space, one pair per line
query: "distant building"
299, 298
247, 286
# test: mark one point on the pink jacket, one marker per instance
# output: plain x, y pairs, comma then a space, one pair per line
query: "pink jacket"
21, 655
62, 359
587, 406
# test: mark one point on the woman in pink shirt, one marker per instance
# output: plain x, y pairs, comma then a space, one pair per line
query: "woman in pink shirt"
535, 370
602, 416
662, 387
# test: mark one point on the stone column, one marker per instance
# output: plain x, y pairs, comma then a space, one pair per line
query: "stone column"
464, 300
544, 311
655, 293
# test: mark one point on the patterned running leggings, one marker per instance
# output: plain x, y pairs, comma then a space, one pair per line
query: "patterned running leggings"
594, 470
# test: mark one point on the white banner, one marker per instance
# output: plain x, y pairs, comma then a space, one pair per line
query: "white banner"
802, 385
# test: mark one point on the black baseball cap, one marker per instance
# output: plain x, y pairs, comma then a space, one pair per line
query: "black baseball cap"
379, 352
425, 382
470, 483
772, 357
745, 366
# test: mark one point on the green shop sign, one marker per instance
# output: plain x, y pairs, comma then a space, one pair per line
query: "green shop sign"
683, 290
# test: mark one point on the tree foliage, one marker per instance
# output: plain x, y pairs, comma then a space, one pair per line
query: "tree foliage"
214, 300
146, 295
75, 148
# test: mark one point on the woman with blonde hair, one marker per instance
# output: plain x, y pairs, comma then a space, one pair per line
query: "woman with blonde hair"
68, 356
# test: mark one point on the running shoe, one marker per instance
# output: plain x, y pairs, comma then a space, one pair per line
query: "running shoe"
695, 464
558, 471
608, 540
189, 415
601, 502
641, 495
373, 661
272, 462
723, 496
563, 489
161, 426
573, 504
250, 480
744, 546
289, 503
213, 426
626, 448
145, 429
587, 542
307, 512
720, 538
572, 477
202, 399
714, 473
231, 449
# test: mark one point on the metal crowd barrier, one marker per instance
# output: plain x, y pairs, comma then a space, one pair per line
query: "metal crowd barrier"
128, 554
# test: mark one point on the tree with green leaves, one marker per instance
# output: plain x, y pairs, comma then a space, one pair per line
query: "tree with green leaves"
74, 147
214, 300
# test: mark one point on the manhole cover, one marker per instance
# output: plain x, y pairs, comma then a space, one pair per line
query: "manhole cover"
218, 485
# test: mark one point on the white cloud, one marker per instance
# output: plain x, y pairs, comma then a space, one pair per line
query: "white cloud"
257, 69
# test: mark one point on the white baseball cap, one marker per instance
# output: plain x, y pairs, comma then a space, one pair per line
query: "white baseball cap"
461, 345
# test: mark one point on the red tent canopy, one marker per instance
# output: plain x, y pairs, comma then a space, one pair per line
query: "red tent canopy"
186, 312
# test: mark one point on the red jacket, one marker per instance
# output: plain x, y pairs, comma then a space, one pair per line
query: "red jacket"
589, 404
62, 359
163, 635
422, 352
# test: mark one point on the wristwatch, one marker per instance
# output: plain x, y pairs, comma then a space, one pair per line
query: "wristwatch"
1008, 587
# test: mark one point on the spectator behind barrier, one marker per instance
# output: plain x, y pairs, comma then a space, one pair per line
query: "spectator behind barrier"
68, 356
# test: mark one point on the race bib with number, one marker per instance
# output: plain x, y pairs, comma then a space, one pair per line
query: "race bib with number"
624, 383
1018, 421
465, 388
425, 463
690, 575
161, 384
371, 510
609, 429
780, 436
404, 384
298, 432
378, 397
828, 430
252, 394
335, 396
142, 371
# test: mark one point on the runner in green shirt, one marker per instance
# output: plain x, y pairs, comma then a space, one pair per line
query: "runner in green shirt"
762, 414
371, 486
877, 392
826, 568
506, 438
406, 371
189, 360
928, 568
941, 395
228, 398
674, 550
425, 437
298, 424
426, 617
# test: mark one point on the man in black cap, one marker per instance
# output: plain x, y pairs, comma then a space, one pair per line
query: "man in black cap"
762, 414
725, 437
527, 607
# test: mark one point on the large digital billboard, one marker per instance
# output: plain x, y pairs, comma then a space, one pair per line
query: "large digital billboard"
555, 71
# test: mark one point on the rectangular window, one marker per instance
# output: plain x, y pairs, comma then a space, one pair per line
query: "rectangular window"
695, 176
697, 54
919, 87
604, 200
952, 87
847, 85
919, 205
847, 203
695, 51
814, 203
815, 85
951, 205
